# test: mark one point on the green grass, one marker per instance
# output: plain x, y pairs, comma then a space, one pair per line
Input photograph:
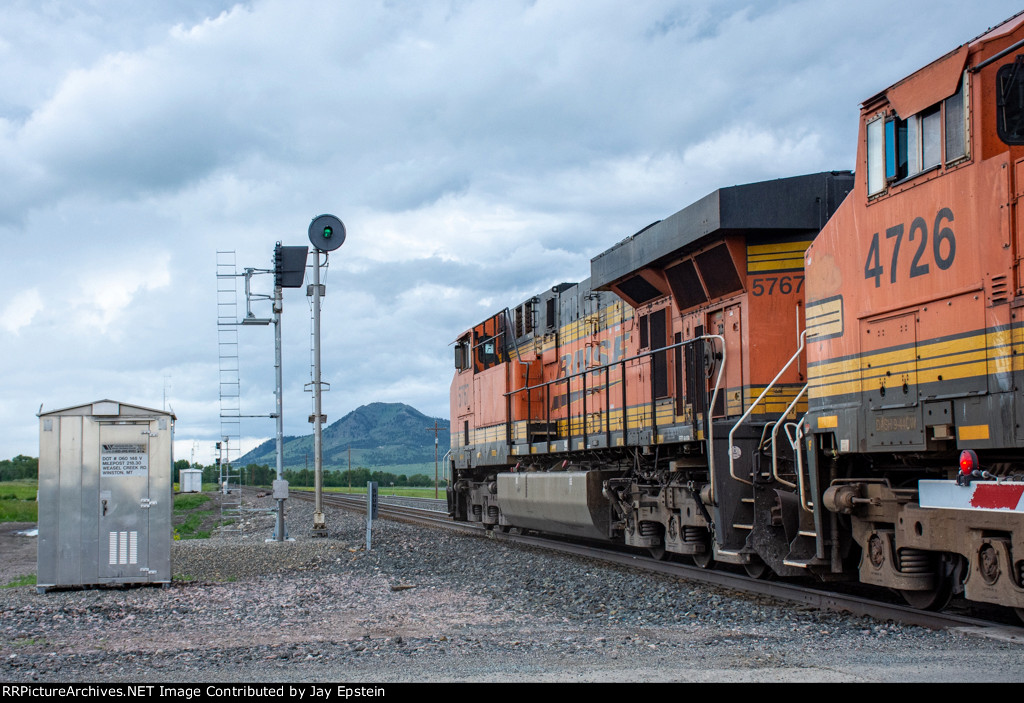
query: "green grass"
18, 511
28, 642
27, 580
23, 489
190, 528
189, 501
18, 501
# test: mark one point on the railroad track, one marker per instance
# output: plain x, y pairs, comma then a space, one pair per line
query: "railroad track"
433, 513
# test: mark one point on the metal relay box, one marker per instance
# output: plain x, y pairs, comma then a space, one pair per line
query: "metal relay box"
104, 495
190, 481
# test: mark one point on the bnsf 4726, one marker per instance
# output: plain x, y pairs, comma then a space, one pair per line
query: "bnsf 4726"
820, 375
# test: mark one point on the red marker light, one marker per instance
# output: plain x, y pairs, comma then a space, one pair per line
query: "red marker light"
968, 462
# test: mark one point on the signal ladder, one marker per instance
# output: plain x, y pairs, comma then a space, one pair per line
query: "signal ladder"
229, 391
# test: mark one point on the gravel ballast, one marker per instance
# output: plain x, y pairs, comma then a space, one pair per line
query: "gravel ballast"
426, 605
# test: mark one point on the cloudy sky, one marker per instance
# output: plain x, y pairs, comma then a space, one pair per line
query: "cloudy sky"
478, 152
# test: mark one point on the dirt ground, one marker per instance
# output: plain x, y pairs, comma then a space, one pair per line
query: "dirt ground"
19, 551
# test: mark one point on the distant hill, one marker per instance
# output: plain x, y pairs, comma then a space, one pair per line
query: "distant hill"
381, 435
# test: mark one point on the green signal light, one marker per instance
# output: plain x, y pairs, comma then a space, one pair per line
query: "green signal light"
328, 231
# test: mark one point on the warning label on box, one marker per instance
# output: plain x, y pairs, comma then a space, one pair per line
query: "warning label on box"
123, 460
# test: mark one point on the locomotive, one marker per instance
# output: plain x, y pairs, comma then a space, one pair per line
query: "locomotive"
817, 376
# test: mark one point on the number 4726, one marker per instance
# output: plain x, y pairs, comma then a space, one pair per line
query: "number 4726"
943, 248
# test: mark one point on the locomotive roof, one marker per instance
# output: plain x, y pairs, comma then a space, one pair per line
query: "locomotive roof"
938, 79
799, 203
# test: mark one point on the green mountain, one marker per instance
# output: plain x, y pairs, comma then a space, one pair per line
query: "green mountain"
381, 435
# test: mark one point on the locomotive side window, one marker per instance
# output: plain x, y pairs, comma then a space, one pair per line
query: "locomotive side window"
956, 125
903, 148
462, 355
485, 350
895, 149
876, 157
923, 141
1010, 102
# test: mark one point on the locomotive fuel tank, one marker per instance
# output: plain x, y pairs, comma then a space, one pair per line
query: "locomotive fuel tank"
566, 502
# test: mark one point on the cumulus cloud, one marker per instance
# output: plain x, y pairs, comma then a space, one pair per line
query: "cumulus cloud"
20, 311
104, 295
478, 152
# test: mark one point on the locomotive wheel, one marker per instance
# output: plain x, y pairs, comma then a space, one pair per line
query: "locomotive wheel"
705, 560
934, 599
1020, 613
658, 553
757, 569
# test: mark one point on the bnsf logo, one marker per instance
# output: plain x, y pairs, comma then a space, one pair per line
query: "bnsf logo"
594, 355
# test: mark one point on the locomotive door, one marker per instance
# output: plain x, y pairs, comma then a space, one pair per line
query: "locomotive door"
1018, 212
728, 323
658, 340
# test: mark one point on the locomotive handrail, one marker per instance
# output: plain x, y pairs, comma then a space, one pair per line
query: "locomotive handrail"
709, 410
508, 323
567, 380
775, 432
732, 458
800, 467
446, 473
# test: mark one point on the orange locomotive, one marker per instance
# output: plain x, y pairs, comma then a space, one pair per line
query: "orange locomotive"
914, 298
635, 406
683, 399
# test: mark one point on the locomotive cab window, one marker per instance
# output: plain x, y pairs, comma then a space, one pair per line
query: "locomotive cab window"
876, 157
486, 353
462, 354
1010, 102
899, 148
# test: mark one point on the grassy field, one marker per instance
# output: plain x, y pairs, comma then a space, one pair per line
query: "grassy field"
27, 580
18, 504
18, 501
191, 520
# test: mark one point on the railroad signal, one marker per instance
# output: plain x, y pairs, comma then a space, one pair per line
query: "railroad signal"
290, 266
326, 232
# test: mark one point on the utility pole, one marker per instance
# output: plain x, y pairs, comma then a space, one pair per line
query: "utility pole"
435, 429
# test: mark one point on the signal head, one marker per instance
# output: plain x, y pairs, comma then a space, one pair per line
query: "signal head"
326, 233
